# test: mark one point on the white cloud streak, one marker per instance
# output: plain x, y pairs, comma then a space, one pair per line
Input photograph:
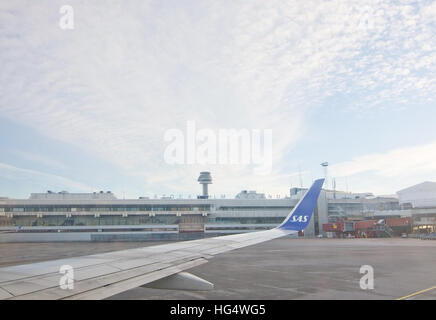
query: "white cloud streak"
34, 177
407, 161
389, 171
40, 159
128, 72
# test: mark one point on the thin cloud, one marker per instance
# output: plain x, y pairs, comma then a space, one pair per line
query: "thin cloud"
115, 83
407, 161
47, 180
40, 159
387, 172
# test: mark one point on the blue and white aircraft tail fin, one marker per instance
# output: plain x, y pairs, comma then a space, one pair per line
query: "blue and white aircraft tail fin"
299, 217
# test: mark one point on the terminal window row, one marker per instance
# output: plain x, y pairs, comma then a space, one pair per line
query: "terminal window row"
107, 208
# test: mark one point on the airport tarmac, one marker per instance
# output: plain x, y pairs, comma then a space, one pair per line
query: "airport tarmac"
284, 268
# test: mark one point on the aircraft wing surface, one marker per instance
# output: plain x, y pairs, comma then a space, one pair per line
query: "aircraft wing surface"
99, 276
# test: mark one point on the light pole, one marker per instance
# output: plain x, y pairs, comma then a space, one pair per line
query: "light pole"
325, 165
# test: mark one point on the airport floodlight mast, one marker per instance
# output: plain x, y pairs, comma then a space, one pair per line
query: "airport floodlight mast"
205, 178
334, 187
325, 165
300, 176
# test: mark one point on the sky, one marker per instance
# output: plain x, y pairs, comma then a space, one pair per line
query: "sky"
87, 109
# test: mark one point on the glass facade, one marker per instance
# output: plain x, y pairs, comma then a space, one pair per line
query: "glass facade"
105, 208
138, 214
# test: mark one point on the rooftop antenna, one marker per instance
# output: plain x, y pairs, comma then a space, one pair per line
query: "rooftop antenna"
299, 174
346, 184
334, 187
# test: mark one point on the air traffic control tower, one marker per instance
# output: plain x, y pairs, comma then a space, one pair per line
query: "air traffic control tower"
204, 179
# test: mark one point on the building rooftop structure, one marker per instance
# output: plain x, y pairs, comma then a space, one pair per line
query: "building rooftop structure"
249, 209
252, 194
422, 195
65, 195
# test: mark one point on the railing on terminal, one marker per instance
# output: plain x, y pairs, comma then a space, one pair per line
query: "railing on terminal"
11, 214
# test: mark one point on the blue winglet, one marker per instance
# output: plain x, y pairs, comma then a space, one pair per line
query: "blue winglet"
300, 216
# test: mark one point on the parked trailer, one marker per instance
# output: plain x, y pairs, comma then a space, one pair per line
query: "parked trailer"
368, 228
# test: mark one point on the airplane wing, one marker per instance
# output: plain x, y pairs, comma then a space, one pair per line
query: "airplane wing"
100, 276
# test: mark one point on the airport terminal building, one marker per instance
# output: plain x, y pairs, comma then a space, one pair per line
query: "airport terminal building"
102, 216
102, 212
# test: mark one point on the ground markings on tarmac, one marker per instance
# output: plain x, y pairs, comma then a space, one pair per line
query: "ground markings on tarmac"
416, 293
